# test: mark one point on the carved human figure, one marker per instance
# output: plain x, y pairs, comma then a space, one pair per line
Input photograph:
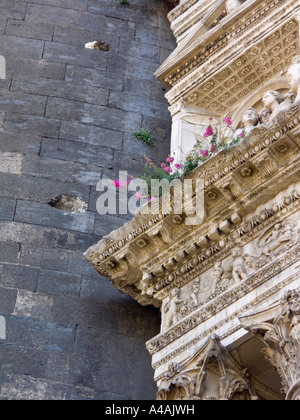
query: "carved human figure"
232, 5
250, 119
272, 100
293, 76
251, 262
239, 272
194, 294
265, 115
281, 234
171, 308
217, 274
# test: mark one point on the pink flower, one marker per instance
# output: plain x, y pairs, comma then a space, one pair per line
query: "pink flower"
228, 121
209, 131
150, 199
177, 166
163, 165
204, 153
213, 148
117, 183
139, 196
242, 134
148, 160
170, 159
168, 169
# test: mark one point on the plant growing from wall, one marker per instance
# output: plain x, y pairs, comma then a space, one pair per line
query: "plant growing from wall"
214, 139
144, 136
123, 1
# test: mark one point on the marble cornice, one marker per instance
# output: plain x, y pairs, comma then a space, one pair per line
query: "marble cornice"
145, 257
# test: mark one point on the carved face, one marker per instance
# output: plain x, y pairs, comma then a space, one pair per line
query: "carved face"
265, 115
250, 117
269, 99
237, 252
293, 76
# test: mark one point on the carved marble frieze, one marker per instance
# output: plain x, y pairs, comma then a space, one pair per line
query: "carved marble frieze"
278, 327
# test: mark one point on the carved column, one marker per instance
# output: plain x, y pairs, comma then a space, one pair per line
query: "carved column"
210, 374
282, 338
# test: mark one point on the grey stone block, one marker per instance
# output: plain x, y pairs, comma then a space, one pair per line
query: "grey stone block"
79, 37
23, 103
93, 114
94, 77
19, 361
46, 215
66, 4
77, 152
40, 68
125, 161
37, 189
79, 265
7, 300
2, 26
18, 277
34, 305
64, 17
15, 142
61, 170
132, 67
21, 47
137, 87
141, 14
70, 54
161, 129
158, 92
104, 224
150, 35
59, 283
48, 259
120, 28
72, 369
37, 126
146, 52
16, 387
7, 208
9, 251
39, 335
13, 9
48, 237
128, 101
80, 311
39, 31
90, 134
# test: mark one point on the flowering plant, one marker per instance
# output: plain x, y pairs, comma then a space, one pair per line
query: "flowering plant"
213, 140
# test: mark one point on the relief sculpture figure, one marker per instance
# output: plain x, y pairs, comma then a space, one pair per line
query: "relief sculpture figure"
239, 272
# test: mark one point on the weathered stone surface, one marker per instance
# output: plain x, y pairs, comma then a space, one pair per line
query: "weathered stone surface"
58, 136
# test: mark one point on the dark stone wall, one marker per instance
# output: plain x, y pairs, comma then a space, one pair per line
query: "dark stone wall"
66, 119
